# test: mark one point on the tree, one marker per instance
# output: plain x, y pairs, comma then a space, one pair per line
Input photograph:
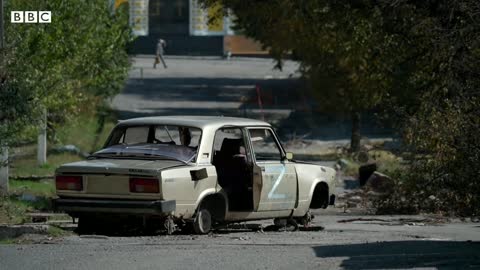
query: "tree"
77, 60
441, 121
346, 56
421, 58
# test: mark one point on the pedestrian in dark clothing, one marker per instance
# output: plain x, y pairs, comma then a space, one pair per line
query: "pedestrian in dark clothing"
159, 54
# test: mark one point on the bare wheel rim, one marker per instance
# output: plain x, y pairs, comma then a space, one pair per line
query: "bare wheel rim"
203, 221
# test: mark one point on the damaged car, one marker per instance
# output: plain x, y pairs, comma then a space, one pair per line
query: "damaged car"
192, 171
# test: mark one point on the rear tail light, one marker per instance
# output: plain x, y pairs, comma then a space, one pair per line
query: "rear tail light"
68, 182
144, 185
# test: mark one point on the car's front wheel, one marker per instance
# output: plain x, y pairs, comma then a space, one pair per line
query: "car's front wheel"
202, 224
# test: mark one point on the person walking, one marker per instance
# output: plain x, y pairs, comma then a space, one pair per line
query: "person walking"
159, 53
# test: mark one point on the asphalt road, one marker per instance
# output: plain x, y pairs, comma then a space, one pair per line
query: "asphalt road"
204, 86
386, 242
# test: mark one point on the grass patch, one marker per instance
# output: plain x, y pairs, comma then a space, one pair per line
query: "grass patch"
12, 211
87, 131
54, 231
45, 188
387, 162
351, 167
25, 197
27, 166
7, 241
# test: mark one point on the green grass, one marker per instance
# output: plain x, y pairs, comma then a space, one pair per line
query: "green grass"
54, 231
26, 196
387, 162
352, 168
27, 166
82, 132
7, 241
45, 188
12, 211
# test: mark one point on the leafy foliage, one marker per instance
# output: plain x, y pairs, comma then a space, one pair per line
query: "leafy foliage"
439, 102
419, 59
76, 61
347, 57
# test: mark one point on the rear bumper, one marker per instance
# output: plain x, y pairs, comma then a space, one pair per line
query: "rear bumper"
114, 206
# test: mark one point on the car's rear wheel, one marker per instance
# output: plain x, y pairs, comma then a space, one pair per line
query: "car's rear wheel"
202, 224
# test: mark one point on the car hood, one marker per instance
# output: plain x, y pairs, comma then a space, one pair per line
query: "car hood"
119, 166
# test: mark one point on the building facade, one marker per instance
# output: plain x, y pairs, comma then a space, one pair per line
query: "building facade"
186, 27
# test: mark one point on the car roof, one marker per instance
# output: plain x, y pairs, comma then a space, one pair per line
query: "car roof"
193, 121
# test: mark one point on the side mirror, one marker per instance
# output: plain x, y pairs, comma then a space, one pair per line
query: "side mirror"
289, 155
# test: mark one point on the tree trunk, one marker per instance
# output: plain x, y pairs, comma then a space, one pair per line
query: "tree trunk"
355, 139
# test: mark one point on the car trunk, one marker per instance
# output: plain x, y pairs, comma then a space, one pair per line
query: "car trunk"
110, 178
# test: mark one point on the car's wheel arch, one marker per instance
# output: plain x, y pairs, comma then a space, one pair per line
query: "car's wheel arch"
319, 194
215, 202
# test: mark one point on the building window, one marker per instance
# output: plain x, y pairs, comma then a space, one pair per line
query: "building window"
168, 11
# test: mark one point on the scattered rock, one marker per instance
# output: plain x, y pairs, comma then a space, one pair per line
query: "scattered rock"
379, 182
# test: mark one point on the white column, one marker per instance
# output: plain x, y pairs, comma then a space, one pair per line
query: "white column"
42, 140
3, 170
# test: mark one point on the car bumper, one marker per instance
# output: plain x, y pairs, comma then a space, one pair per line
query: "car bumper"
114, 206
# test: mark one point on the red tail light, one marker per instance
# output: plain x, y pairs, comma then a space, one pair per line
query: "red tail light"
144, 185
68, 182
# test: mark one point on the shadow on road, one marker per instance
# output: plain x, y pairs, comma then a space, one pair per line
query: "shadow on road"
405, 254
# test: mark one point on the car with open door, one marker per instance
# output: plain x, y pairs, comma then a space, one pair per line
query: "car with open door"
192, 171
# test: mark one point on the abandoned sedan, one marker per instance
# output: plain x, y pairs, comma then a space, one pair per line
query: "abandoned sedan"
192, 171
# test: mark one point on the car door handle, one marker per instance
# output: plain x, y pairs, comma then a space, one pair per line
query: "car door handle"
262, 168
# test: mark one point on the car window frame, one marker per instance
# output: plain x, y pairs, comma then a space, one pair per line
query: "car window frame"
244, 138
277, 142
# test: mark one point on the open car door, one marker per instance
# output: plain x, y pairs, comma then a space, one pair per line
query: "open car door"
274, 178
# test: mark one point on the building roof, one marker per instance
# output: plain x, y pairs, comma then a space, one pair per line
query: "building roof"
193, 121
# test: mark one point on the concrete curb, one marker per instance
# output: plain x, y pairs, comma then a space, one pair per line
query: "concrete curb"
13, 231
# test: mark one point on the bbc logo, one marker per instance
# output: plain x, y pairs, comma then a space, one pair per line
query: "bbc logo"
31, 17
